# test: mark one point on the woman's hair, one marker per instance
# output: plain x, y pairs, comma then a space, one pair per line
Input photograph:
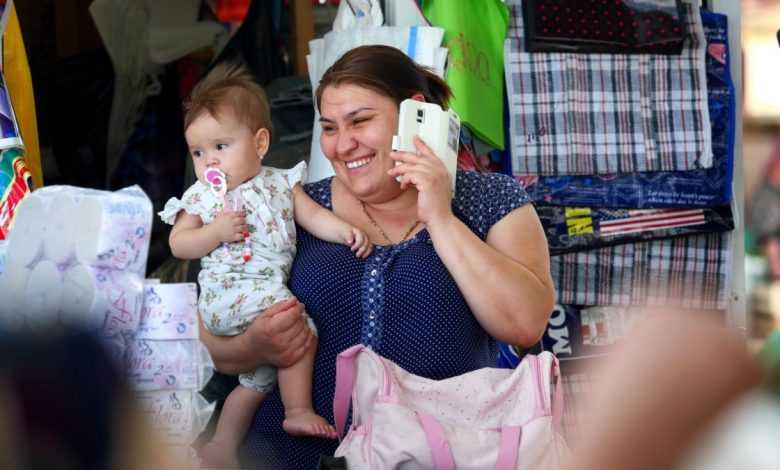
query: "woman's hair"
229, 88
387, 71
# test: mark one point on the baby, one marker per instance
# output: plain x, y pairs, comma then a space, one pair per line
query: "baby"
239, 219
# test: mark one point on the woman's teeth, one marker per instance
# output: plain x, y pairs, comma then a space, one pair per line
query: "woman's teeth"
357, 163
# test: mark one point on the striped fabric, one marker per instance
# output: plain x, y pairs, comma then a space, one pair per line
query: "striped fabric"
690, 271
589, 114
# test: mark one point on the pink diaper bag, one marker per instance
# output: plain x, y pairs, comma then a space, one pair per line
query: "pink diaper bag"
488, 418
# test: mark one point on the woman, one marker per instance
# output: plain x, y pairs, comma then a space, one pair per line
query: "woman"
450, 273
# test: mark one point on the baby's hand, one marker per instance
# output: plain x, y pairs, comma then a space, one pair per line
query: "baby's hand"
358, 242
229, 226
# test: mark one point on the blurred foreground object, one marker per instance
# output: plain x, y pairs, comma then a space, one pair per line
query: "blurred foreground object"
661, 393
63, 405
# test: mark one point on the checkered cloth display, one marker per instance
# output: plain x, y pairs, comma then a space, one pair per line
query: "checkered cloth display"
690, 271
588, 114
696, 188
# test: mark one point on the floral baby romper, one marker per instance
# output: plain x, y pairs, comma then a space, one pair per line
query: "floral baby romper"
232, 292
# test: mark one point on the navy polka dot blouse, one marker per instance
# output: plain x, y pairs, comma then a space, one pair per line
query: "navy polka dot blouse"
401, 301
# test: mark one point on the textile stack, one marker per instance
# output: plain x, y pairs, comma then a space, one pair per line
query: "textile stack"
628, 158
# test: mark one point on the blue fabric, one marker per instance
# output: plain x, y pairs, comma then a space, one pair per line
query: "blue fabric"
401, 301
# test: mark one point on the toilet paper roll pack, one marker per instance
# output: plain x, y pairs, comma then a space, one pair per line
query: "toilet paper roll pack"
43, 229
25, 240
98, 228
60, 232
115, 345
170, 311
67, 224
42, 296
178, 415
101, 299
13, 284
162, 365
114, 232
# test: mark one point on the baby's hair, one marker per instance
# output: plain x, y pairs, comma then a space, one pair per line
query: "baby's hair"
229, 87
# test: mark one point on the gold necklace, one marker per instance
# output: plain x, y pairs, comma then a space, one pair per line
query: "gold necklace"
382, 232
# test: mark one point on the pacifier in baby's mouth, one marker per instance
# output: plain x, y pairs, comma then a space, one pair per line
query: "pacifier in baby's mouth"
218, 185
216, 180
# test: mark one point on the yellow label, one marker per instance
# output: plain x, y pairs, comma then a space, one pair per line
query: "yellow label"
578, 220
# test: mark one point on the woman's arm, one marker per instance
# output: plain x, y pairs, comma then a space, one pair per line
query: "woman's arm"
326, 225
190, 239
506, 279
279, 336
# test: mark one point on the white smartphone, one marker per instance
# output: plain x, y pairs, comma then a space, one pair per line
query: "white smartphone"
438, 128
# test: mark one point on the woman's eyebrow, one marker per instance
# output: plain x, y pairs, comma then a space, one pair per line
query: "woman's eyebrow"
349, 115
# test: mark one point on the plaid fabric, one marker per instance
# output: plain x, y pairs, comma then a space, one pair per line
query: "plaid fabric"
588, 114
690, 271
696, 188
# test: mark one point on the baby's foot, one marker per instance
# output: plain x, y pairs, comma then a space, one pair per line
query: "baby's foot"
305, 422
216, 455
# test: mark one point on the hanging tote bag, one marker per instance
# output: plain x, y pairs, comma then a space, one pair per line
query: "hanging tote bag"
488, 418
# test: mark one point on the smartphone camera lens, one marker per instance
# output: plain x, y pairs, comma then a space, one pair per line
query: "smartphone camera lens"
420, 115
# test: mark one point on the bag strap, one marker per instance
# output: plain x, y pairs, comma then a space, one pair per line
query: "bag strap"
345, 381
508, 447
437, 441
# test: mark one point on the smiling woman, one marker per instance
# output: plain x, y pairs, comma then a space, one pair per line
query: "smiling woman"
450, 274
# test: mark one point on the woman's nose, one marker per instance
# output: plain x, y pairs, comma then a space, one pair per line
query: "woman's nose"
346, 142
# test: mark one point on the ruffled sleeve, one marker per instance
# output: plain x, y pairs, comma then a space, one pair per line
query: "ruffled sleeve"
195, 201
297, 174
172, 208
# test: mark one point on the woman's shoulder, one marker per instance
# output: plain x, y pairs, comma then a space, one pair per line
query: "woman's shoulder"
482, 199
493, 188
320, 191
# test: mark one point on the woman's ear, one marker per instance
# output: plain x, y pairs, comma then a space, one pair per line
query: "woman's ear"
262, 141
418, 97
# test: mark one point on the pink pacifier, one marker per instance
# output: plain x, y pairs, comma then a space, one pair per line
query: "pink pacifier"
218, 185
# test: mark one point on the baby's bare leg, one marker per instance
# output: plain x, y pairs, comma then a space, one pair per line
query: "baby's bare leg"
295, 388
237, 414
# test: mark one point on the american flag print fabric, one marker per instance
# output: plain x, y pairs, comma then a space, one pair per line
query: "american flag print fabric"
593, 114
571, 229
642, 220
690, 272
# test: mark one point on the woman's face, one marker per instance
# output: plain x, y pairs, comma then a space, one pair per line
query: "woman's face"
357, 131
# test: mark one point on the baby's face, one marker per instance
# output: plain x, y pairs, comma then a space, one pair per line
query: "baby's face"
225, 144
